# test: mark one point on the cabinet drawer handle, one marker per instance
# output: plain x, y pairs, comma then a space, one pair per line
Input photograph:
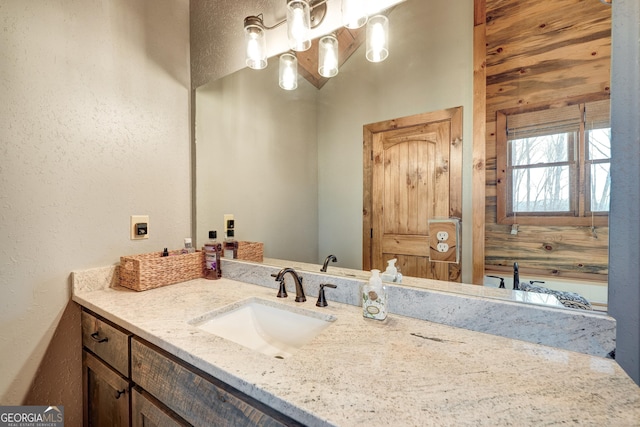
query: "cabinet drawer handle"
120, 393
96, 338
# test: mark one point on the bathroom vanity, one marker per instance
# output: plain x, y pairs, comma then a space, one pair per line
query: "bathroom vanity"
403, 371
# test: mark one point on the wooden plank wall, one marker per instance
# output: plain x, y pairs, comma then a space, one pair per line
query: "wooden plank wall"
543, 53
479, 146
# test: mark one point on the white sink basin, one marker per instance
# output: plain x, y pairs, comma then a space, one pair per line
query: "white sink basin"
266, 326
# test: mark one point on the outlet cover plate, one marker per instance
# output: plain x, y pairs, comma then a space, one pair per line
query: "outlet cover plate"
226, 218
444, 235
138, 219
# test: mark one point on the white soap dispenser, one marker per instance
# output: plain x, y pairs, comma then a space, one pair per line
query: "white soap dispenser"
374, 298
391, 273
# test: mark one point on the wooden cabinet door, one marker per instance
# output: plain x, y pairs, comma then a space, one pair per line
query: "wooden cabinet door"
148, 412
106, 394
414, 175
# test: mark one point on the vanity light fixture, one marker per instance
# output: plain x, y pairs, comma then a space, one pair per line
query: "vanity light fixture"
328, 56
302, 16
377, 38
354, 13
288, 71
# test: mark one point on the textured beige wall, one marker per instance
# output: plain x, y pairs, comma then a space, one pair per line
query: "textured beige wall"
257, 159
94, 127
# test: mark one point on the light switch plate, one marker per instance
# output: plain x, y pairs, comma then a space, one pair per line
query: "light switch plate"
138, 219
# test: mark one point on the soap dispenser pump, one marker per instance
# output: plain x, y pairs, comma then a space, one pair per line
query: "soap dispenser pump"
374, 298
391, 273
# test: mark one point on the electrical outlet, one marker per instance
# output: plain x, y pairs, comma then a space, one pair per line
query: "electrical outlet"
139, 228
442, 247
444, 240
227, 218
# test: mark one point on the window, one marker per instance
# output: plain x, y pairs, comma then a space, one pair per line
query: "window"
553, 165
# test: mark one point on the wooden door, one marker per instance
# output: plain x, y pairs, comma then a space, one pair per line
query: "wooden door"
413, 174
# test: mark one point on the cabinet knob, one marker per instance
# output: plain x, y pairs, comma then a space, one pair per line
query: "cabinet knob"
120, 393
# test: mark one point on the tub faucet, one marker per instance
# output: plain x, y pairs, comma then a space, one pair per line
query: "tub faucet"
516, 277
501, 286
298, 281
331, 258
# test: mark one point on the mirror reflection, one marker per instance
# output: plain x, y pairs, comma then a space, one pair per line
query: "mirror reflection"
289, 164
547, 205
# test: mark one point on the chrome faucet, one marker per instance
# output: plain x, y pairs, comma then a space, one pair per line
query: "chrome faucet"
297, 279
516, 277
331, 258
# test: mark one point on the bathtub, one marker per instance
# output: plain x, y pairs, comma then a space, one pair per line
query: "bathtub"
594, 292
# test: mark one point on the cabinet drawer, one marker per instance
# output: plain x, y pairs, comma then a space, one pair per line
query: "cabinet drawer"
106, 341
194, 395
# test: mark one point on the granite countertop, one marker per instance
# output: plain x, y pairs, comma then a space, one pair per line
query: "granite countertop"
357, 372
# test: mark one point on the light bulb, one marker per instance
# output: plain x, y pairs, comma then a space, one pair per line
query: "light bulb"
299, 25
256, 45
328, 56
288, 71
377, 38
354, 14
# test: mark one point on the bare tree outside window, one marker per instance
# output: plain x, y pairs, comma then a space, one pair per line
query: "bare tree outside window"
599, 154
541, 173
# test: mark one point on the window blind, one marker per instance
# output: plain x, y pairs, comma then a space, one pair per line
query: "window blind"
597, 115
558, 120
543, 122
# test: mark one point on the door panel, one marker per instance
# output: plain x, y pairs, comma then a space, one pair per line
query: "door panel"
409, 178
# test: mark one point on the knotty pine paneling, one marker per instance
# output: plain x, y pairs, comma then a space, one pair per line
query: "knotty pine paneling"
544, 53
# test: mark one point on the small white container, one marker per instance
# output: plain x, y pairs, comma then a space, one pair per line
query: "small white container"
391, 273
374, 298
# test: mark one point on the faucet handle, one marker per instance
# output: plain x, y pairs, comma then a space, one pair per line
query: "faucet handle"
322, 301
282, 291
501, 286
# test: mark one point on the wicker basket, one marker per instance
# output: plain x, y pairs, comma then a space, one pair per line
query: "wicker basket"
148, 271
250, 251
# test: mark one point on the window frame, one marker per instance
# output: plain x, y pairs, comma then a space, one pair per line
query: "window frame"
580, 190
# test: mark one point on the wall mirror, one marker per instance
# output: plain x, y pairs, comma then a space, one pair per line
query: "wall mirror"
288, 164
